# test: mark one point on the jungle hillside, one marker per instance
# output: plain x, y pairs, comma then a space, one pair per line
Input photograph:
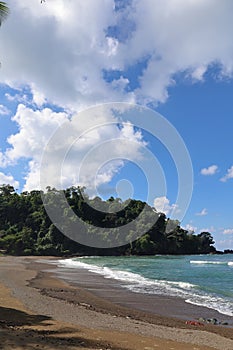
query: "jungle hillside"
26, 228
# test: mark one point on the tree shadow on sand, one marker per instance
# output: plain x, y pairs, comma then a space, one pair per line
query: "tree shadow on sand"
13, 317
23, 330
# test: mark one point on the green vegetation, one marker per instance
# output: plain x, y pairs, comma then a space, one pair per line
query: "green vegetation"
25, 228
4, 11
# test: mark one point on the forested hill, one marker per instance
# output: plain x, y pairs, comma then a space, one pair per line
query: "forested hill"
26, 229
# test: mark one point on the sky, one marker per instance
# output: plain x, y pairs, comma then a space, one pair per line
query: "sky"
128, 98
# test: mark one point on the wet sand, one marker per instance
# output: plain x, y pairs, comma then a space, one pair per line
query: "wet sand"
152, 305
40, 311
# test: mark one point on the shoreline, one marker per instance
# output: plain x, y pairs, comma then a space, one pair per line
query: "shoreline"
113, 291
45, 294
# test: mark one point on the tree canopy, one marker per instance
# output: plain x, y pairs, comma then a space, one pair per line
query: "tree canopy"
26, 229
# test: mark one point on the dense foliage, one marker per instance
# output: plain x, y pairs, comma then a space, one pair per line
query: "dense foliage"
25, 227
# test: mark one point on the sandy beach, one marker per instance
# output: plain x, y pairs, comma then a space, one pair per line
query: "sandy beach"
38, 310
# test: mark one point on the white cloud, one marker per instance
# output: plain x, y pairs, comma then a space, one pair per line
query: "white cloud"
90, 147
198, 73
190, 228
8, 180
62, 50
3, 160
228, 176
18, 97
211, 170
228, 231
38, 97
4, 110
225, 244
35, 129
197, 230
203, 212
162, 204
210, 229
181, 37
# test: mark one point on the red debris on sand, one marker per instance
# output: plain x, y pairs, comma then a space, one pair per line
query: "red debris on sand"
194, 323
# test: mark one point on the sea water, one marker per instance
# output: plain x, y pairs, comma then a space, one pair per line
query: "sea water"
204, 280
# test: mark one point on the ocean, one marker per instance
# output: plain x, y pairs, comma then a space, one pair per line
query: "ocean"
204, 280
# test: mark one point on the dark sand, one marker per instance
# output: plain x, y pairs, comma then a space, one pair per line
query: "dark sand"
39, 311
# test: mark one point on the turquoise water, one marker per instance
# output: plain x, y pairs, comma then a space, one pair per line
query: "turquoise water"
205, 280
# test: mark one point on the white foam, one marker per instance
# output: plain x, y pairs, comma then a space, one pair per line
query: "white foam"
230, 263
203, 262
221, 305
133, 281
139, 284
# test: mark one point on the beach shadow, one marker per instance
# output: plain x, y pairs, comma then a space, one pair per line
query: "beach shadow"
42, 339
14, 317
18, 328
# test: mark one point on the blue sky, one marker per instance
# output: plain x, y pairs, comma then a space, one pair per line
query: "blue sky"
175, 58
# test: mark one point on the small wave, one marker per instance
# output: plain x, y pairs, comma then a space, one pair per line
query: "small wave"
136, 280
230, 263
203, 262
102, 270
210, 302
137, 283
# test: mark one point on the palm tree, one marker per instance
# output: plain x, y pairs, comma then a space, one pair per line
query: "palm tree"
4, 11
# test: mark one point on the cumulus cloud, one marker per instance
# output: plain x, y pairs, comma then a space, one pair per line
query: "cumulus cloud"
86, 149
8, 180
178, 40
95, 152
35, 129
226, 244
83, 53
17, 97
190, 228
4, 110
38, 97
210, 229
211, 170
62, 50
228, 176
163, 205
203, 212
228, 231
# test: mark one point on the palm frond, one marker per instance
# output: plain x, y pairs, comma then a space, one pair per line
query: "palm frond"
4, 11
